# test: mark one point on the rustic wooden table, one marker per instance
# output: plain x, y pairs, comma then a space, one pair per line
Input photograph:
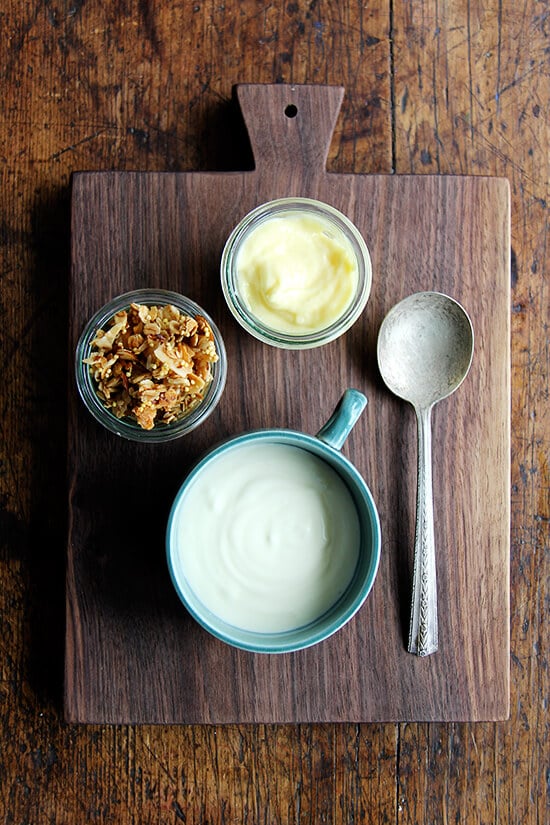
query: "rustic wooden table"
459, 88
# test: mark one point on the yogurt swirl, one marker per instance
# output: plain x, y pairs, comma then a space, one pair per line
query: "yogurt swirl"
279, 536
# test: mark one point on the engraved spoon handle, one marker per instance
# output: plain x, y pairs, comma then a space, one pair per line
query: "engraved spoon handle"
423, 623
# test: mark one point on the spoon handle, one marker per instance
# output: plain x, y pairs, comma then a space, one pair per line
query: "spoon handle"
423, 623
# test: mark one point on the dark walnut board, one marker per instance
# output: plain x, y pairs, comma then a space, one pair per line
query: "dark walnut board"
133, 654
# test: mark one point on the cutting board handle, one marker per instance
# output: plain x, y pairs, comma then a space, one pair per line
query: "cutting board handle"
290, 126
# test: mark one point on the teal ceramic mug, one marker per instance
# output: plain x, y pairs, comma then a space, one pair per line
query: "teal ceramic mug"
287, 552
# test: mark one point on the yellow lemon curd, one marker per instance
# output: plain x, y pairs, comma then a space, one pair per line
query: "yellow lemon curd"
297, 273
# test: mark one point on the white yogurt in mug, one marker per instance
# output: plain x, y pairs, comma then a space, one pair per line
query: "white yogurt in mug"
267, 536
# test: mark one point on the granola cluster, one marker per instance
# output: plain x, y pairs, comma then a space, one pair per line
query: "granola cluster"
152, 364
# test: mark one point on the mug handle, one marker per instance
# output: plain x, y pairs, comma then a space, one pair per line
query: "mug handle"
343, 419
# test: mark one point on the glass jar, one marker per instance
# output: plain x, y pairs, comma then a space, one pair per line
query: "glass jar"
283, 272
127, 427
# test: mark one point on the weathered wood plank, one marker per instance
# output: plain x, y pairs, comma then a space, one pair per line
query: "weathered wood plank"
146, 86
470, 88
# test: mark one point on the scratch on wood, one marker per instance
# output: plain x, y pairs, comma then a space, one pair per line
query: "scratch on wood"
470, 74
160, 763
499, 55
73, 146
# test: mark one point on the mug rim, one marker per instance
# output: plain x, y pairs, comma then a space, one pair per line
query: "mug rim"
332, 620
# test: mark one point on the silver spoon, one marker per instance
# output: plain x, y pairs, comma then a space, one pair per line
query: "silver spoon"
425, 348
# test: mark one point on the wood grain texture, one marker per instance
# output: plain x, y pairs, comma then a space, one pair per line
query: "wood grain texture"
126, 633
431, 87
478, 101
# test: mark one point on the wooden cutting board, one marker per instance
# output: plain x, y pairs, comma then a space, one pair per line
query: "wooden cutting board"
133, 654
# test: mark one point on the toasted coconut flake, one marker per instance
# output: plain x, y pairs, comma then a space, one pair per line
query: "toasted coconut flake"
152, 364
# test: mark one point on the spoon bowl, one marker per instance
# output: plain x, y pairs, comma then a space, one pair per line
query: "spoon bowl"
425, 349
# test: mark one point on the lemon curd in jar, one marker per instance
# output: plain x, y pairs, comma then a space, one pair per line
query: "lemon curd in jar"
278, 538
297, 272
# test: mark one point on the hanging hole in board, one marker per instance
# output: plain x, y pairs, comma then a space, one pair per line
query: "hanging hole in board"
291, 110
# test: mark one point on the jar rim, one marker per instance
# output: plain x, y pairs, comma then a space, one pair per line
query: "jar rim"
124, 427
254, 325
